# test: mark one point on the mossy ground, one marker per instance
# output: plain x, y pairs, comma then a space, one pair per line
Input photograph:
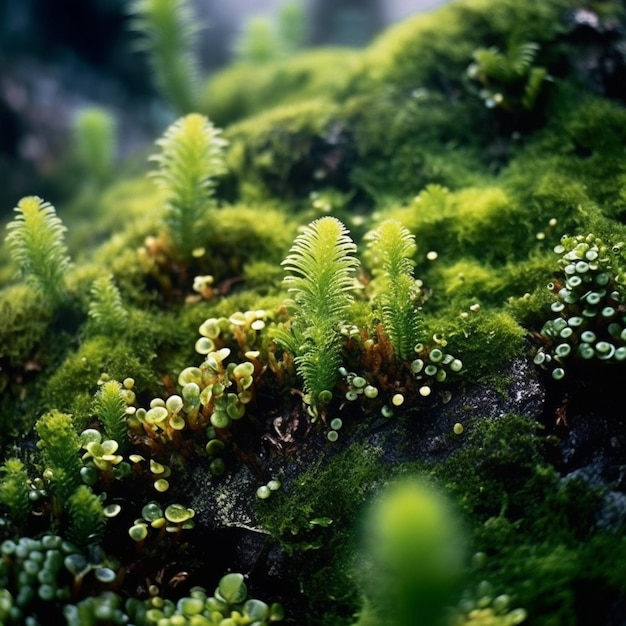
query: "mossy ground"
394, 132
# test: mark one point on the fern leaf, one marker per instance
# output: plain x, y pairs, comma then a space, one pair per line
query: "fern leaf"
110, 408
36, 243
170, 32
106, 308
86, 517
60, 447
392, 247
190, 160
320, 280
94, 139
14, 490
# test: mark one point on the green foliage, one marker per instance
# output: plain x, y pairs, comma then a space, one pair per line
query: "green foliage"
229, 605
277, 153
590, 292
265, 39
508, 81
413, 558
106, 308
110, 408
14, 491
36, 243
94, 142
320, 279
170, 30
392, 248
190, 160
86, 517
60, 446
243, 89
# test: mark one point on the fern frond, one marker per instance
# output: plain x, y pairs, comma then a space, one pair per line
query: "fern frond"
106, 308
522, 57
36, 243
14, 491
110, 408
170, 32
320, 280
392, 247
60, 447
321, 266
190, 160
94, 142
86, 517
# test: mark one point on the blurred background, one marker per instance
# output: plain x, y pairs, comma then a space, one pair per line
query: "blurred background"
60, 56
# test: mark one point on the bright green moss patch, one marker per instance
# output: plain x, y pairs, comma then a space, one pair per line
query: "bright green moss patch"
434, 49
281, 151
315, 521
244, 89
485, 340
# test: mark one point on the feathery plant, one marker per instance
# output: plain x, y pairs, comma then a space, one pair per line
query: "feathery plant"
86, 517
191, 158
110, 408
264, 39
509, 81
14, 491
320, 279
170, 31
392, 248
36, 243
106, 309
94, 142
60, 446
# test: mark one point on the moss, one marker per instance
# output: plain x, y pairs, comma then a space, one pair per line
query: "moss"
245, 89
485, 340
315, 521
132, 353
25, 319
467, 280
407, 141
434, 49
239, 237
285, 151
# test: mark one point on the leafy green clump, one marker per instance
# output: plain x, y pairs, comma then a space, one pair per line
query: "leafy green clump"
106, 308
320, 278
170, 32
392, 247
191, 158
36, 243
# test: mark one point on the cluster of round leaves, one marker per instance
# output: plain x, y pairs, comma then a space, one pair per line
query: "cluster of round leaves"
228, 606
173, 519
431, 367
590, 321
35, 571
209, 386
481, 607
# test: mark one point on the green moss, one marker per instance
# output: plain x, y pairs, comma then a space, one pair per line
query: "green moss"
239, 237
72, 385
25, 319
485, 340
315, 521
434, 49
280, 152
245, 89
405, 142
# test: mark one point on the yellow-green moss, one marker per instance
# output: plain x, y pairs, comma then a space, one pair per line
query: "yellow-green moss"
244, 89
276, 152
434, 49
485, 340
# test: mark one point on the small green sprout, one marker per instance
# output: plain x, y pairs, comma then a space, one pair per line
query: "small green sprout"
36, 243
